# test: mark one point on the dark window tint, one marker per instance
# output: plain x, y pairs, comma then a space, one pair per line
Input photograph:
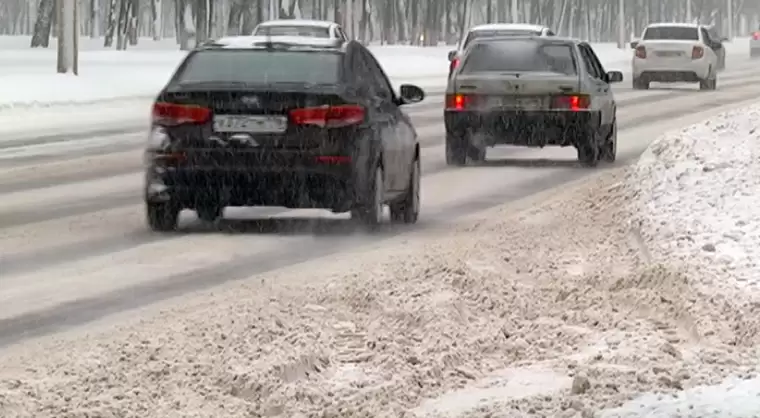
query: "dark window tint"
672, 32
520, 56
258, 66
494, 33
310, 31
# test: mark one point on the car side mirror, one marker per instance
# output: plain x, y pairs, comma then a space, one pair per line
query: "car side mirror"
452, 55
614, 77
411, 94
724, 39
634, 44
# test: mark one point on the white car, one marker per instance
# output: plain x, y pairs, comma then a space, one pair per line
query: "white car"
301, 28
754, 44
495, 30
676, 52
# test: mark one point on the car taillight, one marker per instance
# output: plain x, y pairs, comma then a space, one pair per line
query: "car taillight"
641, 52
328, 116
756, 36
697, 52
574, 102
454, 65
458, 101
172, 114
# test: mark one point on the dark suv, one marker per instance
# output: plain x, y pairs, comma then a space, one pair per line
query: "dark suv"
276, 121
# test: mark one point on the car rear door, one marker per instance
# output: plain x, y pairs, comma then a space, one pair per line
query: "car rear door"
381, 114
404, 137
596, 78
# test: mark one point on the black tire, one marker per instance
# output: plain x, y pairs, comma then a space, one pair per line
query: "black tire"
209, 212
408, 210
609, 147
370, 211
590, 148
709, 84
162, 216
640, 84
476, 154
456, 151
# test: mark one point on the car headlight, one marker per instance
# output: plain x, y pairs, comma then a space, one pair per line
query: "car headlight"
158, 138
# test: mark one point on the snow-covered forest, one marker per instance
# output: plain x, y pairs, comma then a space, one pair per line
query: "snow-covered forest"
122, 23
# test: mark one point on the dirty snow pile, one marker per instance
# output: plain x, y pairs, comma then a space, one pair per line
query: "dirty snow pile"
536, 310
698, 195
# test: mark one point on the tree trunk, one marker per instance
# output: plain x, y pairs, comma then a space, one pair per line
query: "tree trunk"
134, 13
113, 10
94, 18
123, 26
156, 16
43, 24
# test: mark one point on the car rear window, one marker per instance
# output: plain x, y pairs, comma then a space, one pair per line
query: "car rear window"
672, 33
259, 66
310, 31
498, 32
520, 56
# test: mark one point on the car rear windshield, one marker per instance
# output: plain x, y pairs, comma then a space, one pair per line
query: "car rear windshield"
497, 32
680, 33
261, 67
520, 56
310, 31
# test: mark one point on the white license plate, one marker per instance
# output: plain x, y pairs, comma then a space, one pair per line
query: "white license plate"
669, 54
250, 124
517, 102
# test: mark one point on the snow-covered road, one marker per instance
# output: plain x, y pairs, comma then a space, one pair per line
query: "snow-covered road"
74, 249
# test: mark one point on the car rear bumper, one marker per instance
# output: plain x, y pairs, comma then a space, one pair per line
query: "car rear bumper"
525, 128
294, 180
671, 70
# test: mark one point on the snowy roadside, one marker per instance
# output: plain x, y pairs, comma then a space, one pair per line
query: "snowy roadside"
541, 308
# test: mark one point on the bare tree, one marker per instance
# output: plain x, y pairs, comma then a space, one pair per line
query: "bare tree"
111, 23
43, 24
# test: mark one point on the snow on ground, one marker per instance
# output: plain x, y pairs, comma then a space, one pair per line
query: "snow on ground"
539, 308
694, 206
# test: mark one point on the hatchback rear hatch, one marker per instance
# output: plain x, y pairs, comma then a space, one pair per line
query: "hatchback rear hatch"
523, 74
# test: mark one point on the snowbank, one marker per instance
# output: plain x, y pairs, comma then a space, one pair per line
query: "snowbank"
698, 200
693, 201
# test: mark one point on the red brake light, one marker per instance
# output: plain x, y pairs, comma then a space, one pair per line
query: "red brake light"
328, 116
697, 52
177, 114
458, 101
574, 103
454, 64
756, 36
641, 52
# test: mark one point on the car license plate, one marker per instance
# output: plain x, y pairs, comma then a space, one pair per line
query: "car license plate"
250, 124
668, 53
518, 102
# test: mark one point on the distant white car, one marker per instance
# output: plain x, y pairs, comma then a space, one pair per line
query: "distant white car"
754, 44
676, 52
301, 28
495, 30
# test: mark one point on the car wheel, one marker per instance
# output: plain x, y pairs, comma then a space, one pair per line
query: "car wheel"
209, 212
709, 84
640, 84
162, 216
589, 150
408, 210
370, 213
477, 154
455, 151
609, 148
